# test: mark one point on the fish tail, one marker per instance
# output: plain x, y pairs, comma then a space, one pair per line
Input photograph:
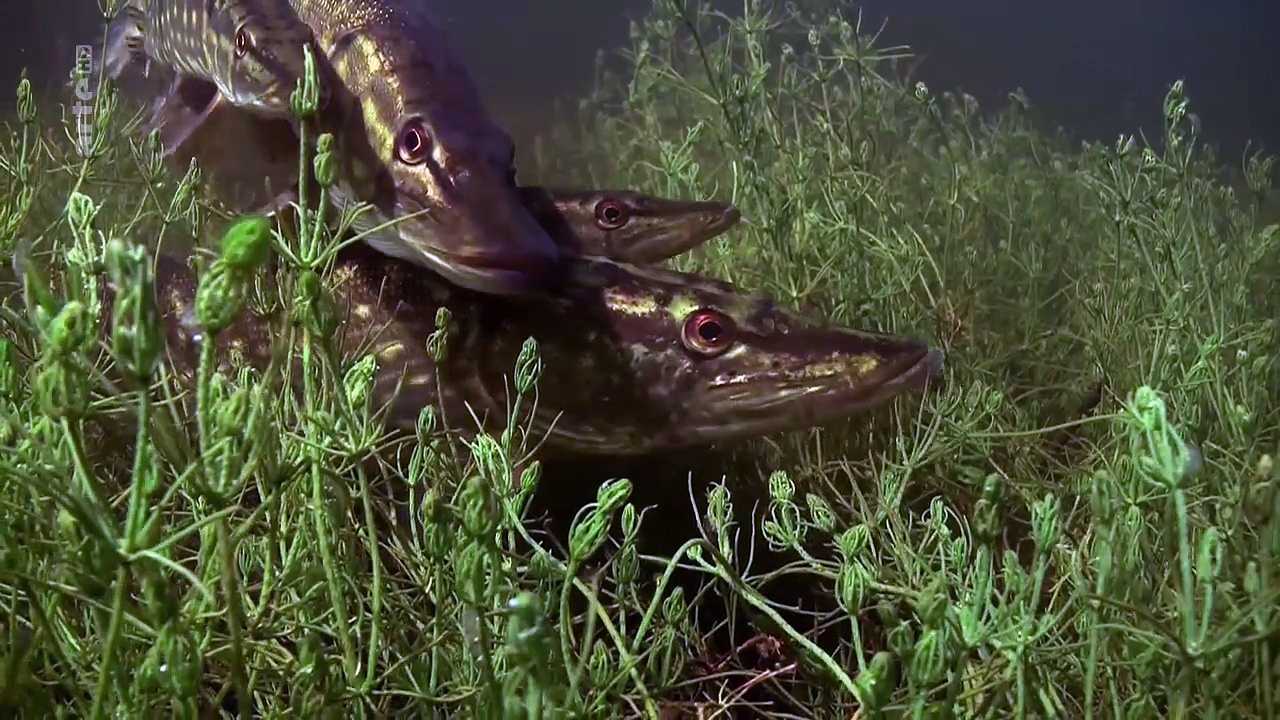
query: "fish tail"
124, 41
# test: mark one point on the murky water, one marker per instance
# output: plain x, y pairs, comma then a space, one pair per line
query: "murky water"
1099, 67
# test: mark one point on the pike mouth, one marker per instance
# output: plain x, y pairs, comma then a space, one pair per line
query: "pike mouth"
706, 220
821, 403
512, 274
769, 406
925, 370
514, 268
664, 239
512, 249
724, 220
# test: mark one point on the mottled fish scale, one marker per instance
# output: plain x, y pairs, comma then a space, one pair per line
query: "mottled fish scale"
410, 71
380, 42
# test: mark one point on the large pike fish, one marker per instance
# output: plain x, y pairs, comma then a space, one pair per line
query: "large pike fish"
635, 359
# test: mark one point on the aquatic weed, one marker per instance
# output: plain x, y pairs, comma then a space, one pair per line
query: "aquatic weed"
1062, 277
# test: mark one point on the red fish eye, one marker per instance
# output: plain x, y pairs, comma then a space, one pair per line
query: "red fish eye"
242, 42
708, 332
610, 214
413, 146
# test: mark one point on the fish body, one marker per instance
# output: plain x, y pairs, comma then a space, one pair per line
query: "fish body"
252, 51
419, 146
634, 359
473, 216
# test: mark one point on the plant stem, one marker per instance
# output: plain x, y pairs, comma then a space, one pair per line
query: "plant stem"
375, 613
109, 645
231, 587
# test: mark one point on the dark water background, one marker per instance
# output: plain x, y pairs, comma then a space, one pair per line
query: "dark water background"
1099, 68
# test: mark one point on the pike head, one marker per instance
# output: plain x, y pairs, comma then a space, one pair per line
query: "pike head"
629, 226
250, 52
448, 167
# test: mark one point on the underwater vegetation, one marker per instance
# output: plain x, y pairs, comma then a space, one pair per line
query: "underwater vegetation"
1082, 520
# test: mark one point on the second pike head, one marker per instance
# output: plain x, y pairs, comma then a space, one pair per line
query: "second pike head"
456, 207
630, 226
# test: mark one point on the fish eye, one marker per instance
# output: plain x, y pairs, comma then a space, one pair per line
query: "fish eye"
242, 42
708, 332
610, 214
413, 145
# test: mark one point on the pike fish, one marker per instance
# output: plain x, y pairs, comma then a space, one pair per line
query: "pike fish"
251, 51
418, 145
635, 359
414, 139
629, 226
238, 151
626, 226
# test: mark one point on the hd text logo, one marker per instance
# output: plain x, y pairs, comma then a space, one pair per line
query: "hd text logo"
82, 108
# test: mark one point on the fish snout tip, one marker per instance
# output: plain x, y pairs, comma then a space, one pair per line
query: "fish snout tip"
915, 364
721, 217
934, 365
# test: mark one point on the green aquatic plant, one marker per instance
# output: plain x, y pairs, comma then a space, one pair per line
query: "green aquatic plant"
1060, 276
1084, 522
224, 520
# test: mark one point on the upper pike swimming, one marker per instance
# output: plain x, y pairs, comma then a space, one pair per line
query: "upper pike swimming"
449, 167
251, 50
414, 138
624, 225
